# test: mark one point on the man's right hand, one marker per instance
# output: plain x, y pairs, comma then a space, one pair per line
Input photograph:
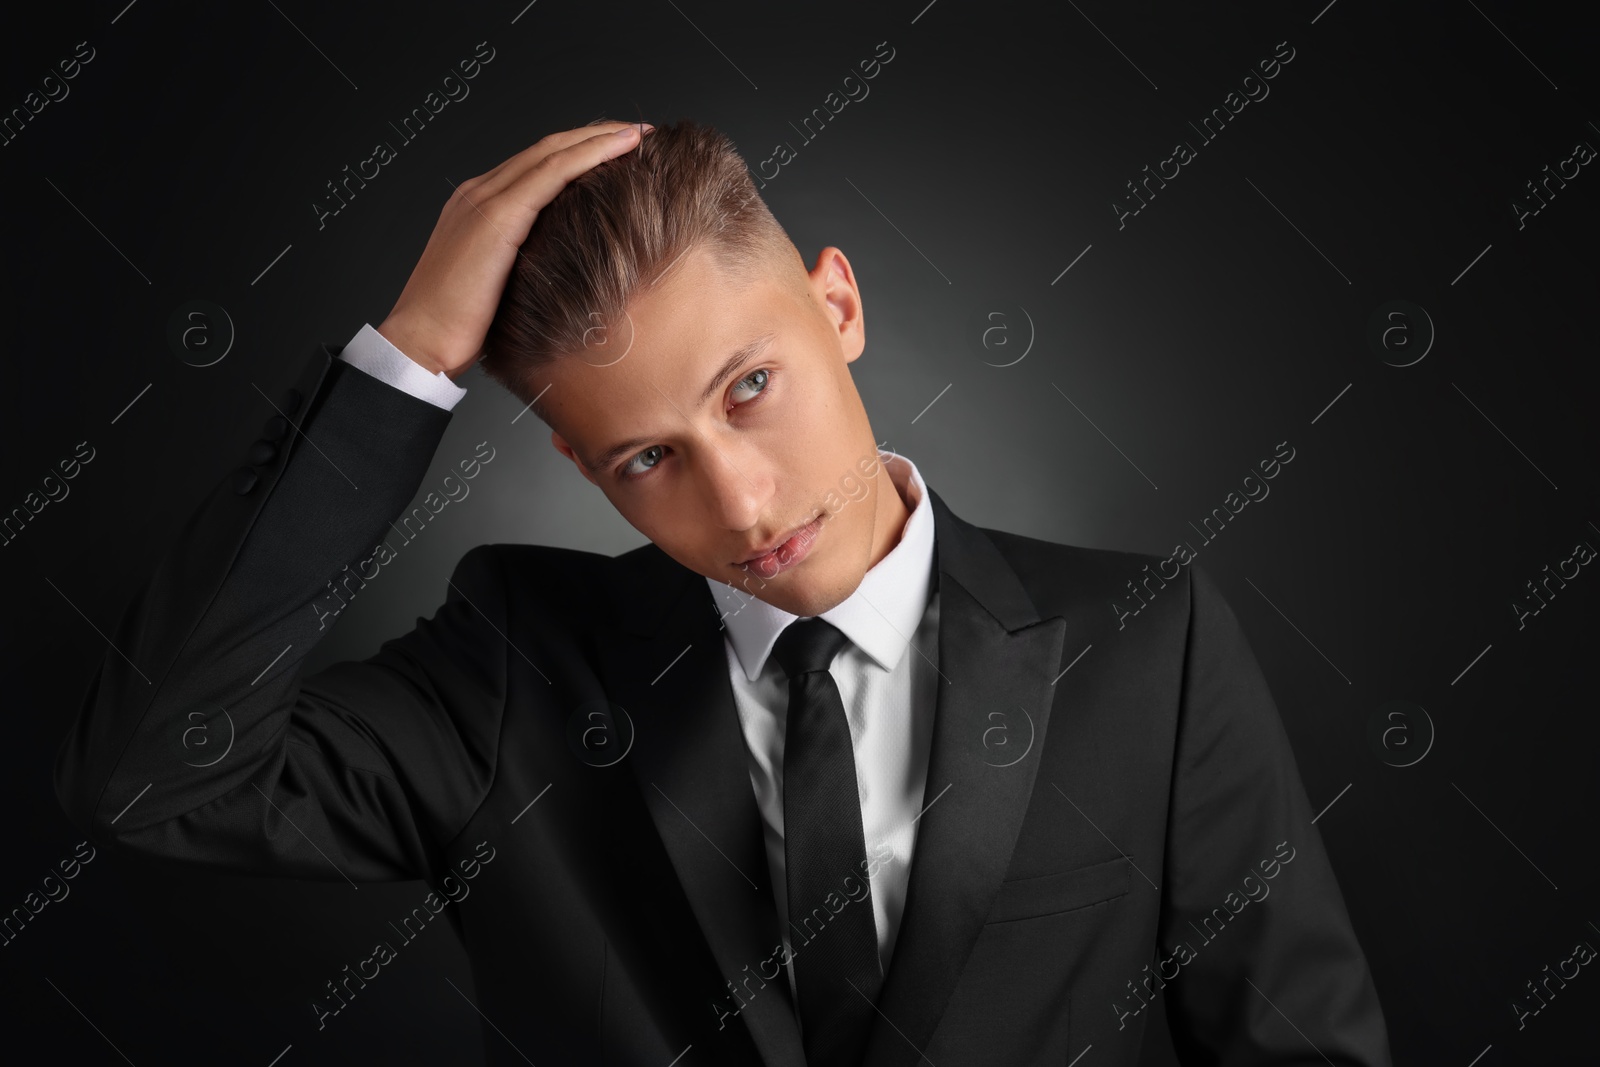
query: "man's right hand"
445, 309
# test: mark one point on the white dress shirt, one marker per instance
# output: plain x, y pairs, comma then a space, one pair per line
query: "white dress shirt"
885, 674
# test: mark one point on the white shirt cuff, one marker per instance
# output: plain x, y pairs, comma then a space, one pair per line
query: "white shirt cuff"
373, 353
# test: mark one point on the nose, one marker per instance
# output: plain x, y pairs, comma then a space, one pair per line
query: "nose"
735, 480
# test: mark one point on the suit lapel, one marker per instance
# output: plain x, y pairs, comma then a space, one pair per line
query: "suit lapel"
995, 655
667, 667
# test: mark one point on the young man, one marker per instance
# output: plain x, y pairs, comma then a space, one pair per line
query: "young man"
845, 735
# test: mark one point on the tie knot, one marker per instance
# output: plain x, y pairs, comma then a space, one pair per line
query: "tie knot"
808, 645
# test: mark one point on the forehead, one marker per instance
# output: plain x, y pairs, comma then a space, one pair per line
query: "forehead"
634, 374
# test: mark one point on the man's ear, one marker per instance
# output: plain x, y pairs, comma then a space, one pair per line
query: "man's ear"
834, 283
565, 449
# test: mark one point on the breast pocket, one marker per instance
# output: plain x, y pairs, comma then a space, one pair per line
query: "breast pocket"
1051, 894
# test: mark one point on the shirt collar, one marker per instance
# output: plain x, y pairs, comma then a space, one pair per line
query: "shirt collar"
883, 612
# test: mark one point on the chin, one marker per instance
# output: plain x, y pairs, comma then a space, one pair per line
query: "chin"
812, 595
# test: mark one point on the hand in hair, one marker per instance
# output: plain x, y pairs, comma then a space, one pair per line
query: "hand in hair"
444, 311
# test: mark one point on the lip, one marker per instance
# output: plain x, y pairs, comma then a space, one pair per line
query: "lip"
793, 548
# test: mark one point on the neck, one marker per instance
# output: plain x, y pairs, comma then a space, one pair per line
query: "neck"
892, 516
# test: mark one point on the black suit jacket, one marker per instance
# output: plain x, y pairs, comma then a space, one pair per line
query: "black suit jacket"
1077, 827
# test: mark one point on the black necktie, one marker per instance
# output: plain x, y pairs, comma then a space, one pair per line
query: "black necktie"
836, 968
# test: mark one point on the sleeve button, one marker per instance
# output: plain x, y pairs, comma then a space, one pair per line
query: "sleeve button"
262, 452
275, 427
244, 480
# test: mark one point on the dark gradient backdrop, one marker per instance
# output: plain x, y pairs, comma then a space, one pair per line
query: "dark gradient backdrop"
1055, 363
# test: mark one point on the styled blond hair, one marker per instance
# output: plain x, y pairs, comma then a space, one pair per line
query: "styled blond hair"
615, 230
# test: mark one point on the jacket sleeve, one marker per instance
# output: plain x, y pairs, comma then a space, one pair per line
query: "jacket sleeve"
363, 771
1261, 962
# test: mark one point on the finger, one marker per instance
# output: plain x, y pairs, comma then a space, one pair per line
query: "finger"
512, 169
536, 187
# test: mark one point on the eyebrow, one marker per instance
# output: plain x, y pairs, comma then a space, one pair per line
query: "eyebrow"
739, 356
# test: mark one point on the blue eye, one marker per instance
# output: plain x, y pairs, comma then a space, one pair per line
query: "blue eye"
758, 379
627, 468
763, 374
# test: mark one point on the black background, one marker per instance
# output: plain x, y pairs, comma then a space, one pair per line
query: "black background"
1177, 351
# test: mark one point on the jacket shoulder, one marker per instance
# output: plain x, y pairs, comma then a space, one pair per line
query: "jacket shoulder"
549, 562
1069, 579
575, 582
1039, 563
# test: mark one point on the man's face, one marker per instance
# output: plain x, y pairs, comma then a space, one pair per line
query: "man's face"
723, 460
